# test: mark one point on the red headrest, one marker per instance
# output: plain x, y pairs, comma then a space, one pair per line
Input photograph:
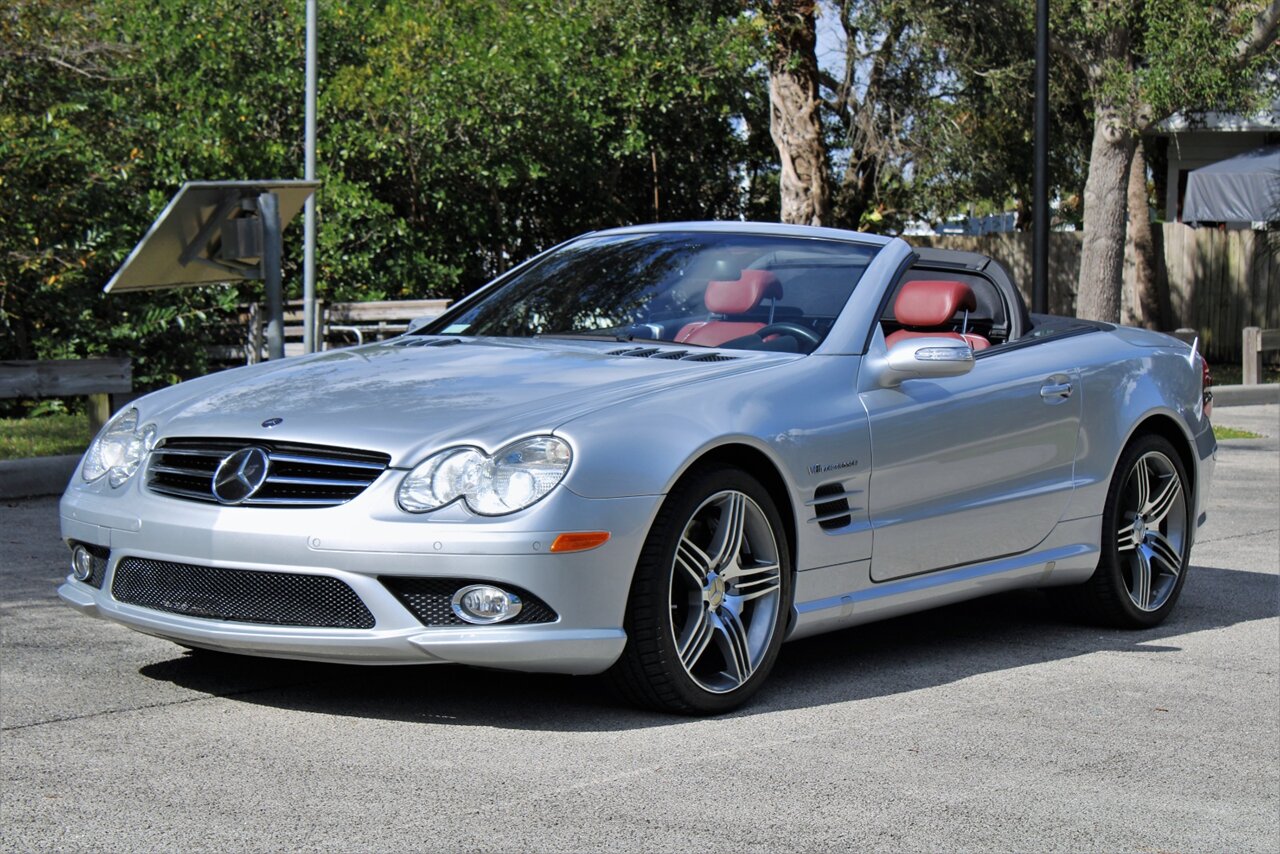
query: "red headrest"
926, 303
739, 297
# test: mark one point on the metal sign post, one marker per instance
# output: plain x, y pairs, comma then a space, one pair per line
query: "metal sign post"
269, 213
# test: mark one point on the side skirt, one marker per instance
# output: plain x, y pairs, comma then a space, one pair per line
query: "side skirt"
1067, 556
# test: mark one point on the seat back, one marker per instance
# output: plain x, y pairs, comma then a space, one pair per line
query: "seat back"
726, 298
926, 309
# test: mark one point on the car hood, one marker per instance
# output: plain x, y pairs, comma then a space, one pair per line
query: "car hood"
408, 401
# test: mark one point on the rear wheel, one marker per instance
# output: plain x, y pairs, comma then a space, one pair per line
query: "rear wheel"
1146, 538
710, 597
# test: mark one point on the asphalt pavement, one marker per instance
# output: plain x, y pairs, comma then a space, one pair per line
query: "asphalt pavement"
997, 725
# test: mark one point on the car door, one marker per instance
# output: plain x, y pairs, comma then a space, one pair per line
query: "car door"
974, 467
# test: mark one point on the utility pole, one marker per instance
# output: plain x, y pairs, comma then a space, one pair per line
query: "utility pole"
1040, 190
309, 174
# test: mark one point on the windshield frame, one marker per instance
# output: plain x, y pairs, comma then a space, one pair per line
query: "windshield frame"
794, 248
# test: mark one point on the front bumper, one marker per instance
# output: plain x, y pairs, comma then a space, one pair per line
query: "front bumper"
366, 538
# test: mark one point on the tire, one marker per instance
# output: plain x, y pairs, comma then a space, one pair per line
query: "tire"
705, 618
1146, 539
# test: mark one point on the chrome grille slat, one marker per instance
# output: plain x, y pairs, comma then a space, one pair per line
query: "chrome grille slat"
292, 502
188, 452
163, 469
179, 492
297, 475
314, 481
332, 462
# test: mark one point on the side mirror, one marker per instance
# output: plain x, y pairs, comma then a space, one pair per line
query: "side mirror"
417, 323
925, 358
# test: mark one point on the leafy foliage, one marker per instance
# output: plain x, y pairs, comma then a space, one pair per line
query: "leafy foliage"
928, 108
455, 140
500, 129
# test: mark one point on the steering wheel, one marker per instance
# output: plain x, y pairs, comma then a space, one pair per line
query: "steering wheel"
797, 331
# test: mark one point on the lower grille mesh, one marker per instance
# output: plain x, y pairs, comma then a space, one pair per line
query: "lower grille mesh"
240, 595
429, 600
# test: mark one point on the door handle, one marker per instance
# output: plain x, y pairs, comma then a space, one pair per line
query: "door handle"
1056, 391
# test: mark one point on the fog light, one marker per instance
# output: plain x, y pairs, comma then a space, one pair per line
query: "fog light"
484, 603
81, 563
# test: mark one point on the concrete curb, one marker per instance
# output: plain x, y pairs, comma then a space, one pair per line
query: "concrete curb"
1246, 395
36, 476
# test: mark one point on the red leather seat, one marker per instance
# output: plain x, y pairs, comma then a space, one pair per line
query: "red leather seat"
926, 309
728, 298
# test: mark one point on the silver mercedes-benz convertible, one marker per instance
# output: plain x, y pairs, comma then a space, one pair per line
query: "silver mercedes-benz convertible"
657, 451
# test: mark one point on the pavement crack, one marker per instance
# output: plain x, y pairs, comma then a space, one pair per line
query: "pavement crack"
1229, 537
148, 706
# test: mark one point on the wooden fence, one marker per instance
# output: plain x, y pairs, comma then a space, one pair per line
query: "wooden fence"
97, 378
1218, 281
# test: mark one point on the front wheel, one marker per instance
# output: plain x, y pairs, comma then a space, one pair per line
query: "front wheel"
709, 601
1146, 538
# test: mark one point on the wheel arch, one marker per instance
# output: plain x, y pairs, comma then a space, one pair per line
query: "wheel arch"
1166, 426
762, 467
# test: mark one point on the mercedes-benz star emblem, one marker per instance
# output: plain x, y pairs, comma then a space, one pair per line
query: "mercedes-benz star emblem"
240, 475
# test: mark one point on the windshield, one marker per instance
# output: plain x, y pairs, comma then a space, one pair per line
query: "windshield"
695, 289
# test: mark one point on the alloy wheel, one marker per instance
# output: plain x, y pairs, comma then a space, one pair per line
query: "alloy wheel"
725, 591
1152, 532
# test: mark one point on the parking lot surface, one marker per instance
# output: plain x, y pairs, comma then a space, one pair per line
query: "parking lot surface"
994, 725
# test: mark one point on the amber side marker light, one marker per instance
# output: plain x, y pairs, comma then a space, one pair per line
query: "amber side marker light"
579, 542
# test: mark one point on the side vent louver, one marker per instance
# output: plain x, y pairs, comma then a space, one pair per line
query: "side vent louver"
834, 513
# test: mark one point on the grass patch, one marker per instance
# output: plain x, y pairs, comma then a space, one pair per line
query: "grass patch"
47, 436
1221, 433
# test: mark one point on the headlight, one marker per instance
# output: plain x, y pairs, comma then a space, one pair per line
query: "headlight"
510, 480
119, 449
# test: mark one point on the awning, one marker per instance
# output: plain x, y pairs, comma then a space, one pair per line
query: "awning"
1244, 188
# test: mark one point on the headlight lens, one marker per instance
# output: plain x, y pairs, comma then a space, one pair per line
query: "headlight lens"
511, 479
119, 449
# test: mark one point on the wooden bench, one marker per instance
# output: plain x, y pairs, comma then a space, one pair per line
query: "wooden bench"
361, 322
339, 324
98, 379
1256, 342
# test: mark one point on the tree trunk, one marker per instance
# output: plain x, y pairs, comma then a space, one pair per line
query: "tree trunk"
1145, 301
1105, 203
795, 122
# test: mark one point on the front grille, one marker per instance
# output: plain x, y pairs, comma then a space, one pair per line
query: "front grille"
429, 600
240, 595
297, 475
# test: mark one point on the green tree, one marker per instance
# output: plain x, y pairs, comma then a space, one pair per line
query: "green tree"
455, 139
926, 110
1142, 61
496, 129
71, 204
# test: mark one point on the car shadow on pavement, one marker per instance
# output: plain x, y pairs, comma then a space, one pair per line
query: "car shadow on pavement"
909, 653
